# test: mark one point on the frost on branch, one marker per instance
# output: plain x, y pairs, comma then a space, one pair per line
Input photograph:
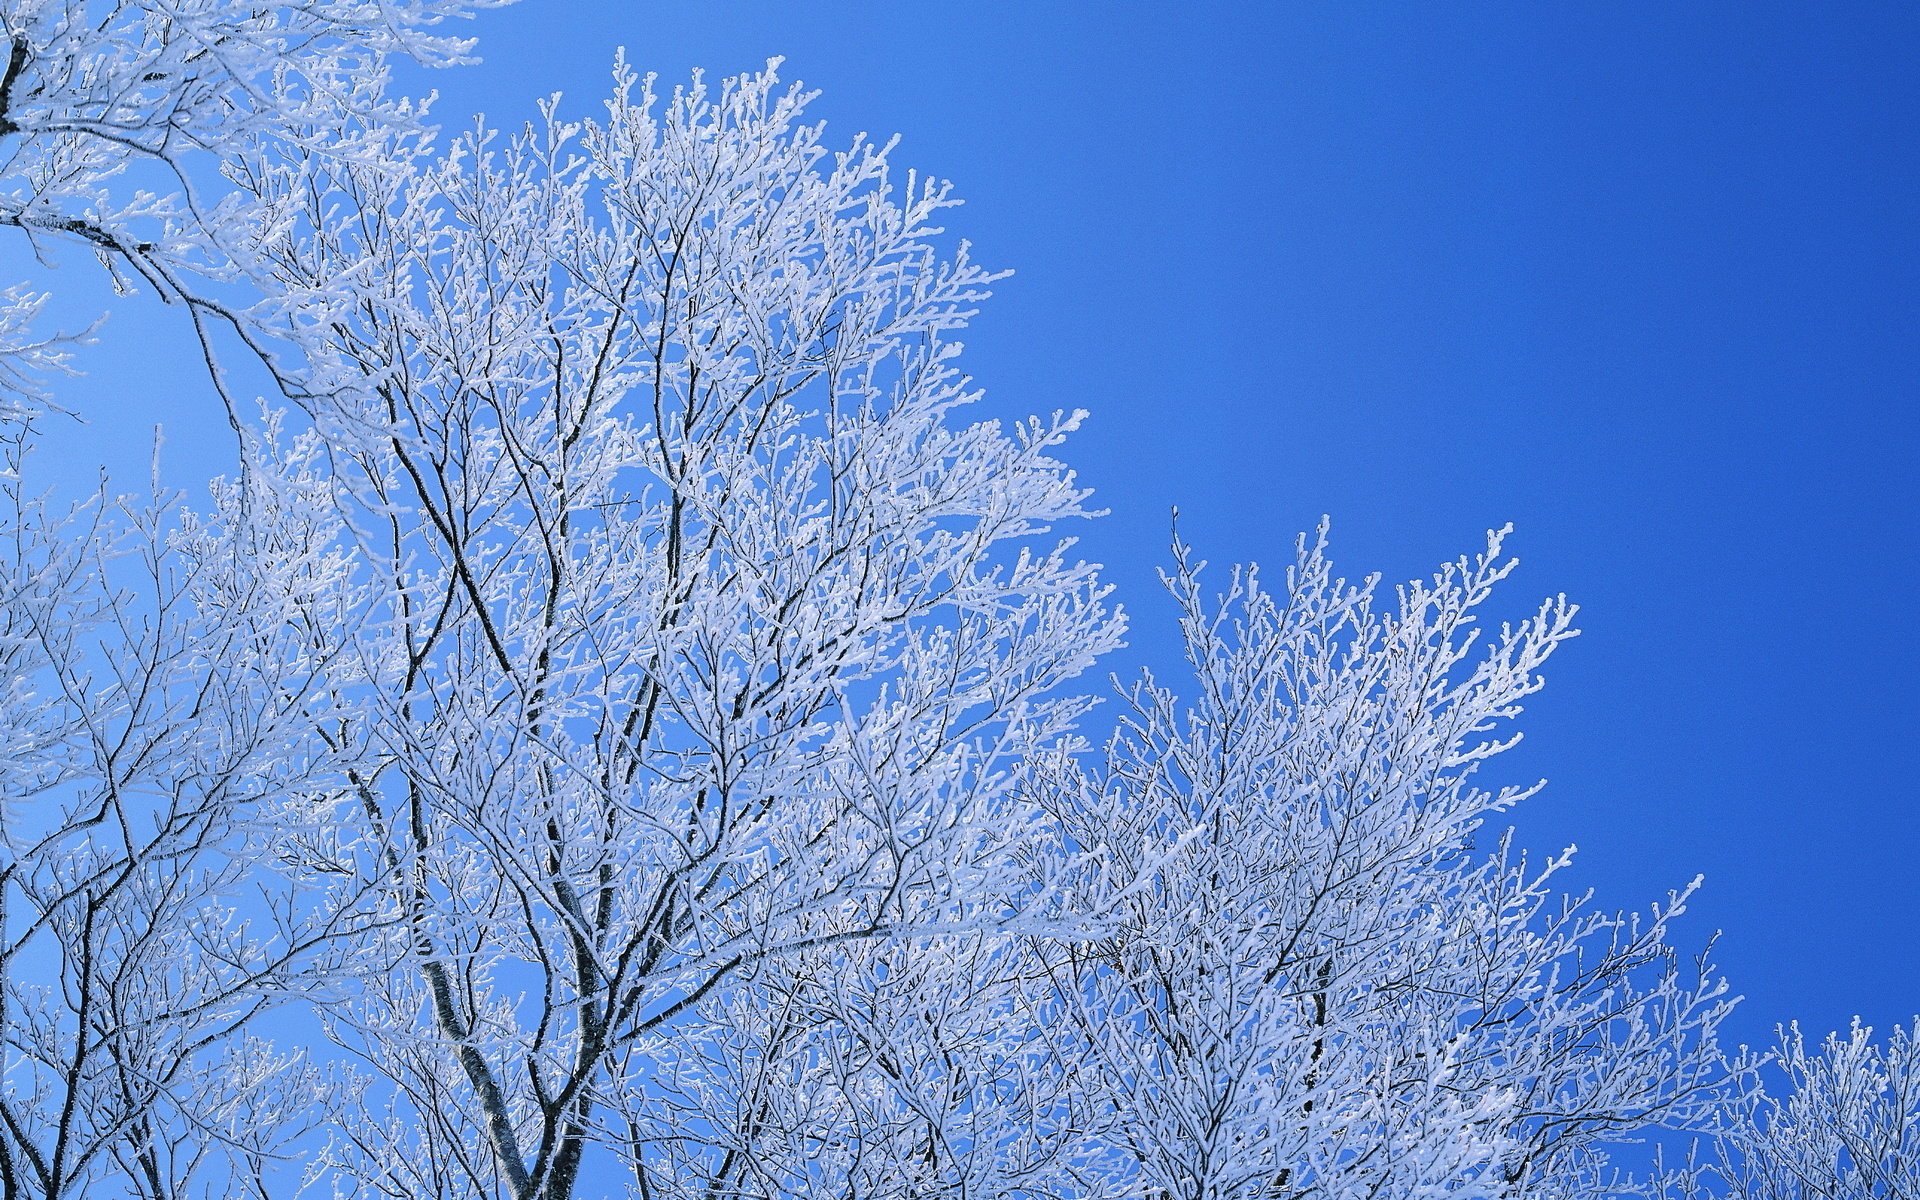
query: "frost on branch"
157, 728
1327, 988
706, 651
1846, 1124
28, 357
116, 117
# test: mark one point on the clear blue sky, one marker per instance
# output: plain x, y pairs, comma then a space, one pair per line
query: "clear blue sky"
1642, 281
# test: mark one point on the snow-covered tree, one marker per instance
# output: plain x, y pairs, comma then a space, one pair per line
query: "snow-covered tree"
1845, 1124
158, 732
117, 117
629, 708
1329, 987
703, 639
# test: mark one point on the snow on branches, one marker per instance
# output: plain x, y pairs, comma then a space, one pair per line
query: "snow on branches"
117, 117
622, 731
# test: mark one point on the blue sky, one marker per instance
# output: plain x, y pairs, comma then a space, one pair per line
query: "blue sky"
1641, 281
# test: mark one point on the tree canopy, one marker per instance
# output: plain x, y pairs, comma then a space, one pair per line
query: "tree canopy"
622, 727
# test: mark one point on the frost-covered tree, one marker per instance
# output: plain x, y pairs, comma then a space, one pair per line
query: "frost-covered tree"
1844, 1126
628, 709
117, 116
1327, 986
158, 732
701, 645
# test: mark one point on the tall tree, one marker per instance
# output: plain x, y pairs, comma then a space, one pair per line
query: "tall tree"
634, 700
703, 633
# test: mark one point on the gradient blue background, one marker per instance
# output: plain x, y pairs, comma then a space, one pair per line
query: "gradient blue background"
1641, 281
